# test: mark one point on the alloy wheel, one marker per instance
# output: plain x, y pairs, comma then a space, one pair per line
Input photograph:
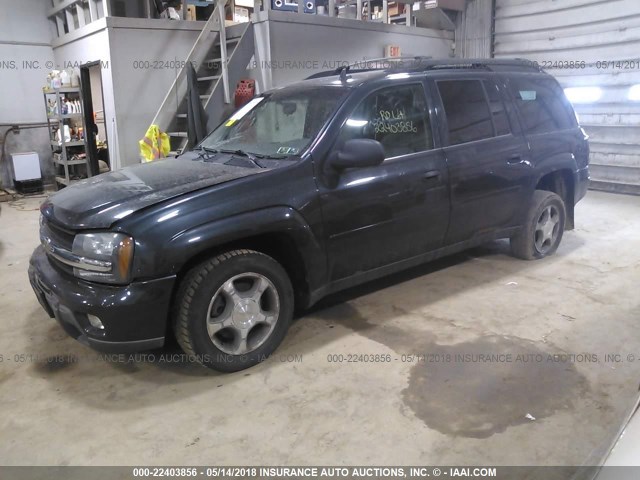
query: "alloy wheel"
243, 313
547, 229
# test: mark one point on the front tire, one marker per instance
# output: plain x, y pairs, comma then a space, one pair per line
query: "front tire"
543, 229
233, 310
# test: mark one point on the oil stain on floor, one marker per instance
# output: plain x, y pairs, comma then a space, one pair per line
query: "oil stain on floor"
479, 388
476, 388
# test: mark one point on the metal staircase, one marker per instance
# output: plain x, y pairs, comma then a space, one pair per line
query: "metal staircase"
220, 57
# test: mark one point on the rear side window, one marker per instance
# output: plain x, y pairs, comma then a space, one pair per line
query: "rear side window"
541, 104
467, 111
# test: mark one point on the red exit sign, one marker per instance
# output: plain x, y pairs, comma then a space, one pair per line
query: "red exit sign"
392, 51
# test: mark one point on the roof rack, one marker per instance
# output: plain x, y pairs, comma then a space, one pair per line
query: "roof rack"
422, 64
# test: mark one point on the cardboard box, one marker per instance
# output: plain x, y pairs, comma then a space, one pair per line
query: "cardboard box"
191, 12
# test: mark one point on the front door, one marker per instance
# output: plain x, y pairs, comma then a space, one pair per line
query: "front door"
376, 216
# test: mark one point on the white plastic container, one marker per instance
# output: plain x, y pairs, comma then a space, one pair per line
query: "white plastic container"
55, 81
26, 166
65, 78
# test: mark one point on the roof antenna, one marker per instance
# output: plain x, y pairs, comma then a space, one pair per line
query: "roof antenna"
343, 73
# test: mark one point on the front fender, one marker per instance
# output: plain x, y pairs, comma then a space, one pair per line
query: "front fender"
282, 219
285, 220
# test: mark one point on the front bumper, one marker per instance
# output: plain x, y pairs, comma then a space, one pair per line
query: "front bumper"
134, 316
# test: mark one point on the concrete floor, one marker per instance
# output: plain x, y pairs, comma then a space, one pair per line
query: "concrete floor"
61, 405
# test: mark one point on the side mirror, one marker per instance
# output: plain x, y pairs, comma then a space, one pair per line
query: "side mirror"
358, 153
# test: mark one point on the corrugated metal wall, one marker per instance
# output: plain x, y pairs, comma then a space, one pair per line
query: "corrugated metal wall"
473, 30
600, 33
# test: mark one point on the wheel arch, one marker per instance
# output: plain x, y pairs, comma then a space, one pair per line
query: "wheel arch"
560, 182
280, 232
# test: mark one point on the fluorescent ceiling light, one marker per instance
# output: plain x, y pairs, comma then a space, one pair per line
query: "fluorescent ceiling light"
246, 109
356, 123
340, 82
360, 181
634, 93
583, 94
396, 76
171, 214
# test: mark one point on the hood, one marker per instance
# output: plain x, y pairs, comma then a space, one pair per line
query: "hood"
100, 201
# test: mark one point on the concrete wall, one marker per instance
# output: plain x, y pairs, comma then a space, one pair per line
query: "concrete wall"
139, 88
305, 44
139, 59
25, 50
600, 34
91, 44
145, 54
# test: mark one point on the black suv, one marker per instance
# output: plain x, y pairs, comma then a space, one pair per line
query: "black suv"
306, 190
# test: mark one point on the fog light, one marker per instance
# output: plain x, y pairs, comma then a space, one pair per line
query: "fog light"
95, 321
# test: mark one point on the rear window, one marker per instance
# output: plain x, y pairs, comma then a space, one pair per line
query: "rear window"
542, 105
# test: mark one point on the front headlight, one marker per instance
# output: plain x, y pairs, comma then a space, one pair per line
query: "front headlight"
106, 257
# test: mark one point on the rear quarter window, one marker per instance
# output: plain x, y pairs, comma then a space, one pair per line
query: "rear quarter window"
542, 105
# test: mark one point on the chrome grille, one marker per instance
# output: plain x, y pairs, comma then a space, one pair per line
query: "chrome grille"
53, 236
59, 237
58, 244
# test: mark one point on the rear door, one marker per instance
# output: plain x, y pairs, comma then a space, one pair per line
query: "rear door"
377, 216
488, 158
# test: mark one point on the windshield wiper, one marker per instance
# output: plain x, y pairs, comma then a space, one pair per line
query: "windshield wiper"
251, 156
206, 149
243, 153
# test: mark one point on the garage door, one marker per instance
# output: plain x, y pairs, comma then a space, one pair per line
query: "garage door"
605, 35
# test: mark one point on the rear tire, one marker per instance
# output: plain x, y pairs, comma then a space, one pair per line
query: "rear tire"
233, 310
542, 231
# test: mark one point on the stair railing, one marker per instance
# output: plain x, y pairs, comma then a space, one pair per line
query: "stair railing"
223, 56
197, 56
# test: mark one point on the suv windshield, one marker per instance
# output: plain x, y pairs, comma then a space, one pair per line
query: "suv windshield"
278, 124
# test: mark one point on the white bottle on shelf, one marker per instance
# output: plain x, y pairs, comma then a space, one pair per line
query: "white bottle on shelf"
55, 81
64, 78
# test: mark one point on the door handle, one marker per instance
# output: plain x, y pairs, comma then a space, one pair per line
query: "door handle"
431, 174
515, 159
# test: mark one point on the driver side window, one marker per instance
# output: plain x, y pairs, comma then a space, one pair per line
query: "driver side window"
397, 117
